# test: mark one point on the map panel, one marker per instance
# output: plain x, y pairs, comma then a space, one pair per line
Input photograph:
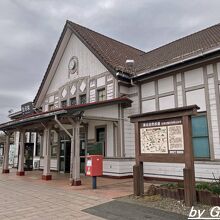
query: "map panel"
154, 140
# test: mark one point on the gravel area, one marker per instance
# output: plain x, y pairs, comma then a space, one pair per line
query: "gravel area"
167, 204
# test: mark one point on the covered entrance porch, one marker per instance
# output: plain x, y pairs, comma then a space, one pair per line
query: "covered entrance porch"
92, 128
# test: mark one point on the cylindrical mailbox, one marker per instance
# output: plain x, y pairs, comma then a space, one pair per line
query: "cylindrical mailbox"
94, 165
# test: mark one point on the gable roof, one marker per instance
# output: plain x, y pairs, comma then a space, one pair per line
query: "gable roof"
110, 52
113, 54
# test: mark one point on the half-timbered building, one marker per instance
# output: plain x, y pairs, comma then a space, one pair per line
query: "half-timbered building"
91, 86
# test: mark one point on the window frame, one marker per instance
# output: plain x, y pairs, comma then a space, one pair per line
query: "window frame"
98, 96
81, 99
38, 145
63, 101
71, 102
105, 142
51, 107
204, 114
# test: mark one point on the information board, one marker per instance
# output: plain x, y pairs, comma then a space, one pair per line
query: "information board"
162, 137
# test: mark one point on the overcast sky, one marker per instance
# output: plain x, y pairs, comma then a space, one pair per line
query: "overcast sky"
30, 29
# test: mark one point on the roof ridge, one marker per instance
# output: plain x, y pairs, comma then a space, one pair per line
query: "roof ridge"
179, 39
73, 23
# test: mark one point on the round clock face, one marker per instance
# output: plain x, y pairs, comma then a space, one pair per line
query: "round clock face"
72, 65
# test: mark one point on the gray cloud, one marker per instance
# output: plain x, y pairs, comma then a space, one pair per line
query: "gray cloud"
30, 30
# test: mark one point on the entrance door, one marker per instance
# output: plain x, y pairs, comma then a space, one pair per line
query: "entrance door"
100, 137
28, 156
65, 149
65, 153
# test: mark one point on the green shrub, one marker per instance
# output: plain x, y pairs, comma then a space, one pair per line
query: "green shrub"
169, 185
203, 186
180, 185
215, 188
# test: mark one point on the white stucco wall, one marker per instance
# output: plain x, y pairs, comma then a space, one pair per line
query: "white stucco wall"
89, 65
199, 86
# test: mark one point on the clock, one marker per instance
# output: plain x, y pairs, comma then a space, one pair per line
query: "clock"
73, 64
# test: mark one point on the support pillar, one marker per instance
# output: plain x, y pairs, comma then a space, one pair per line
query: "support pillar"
20, 171
189, 170
72, 158
46, 140
138, 178
6, 155
138, 169
75, 181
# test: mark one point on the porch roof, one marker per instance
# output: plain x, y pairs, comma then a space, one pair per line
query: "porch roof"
66, 111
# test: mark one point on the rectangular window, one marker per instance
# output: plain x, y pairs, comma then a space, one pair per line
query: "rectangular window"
26, 137
101, 138
32, 137
51, 107
1, 150
101, 95
73, 101
200, 137
63, 103
38, 140
82, 99
54, 143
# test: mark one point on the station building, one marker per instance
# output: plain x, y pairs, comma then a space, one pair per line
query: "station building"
91, 86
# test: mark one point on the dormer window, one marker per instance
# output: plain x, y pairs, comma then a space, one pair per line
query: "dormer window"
73, 101
63, 103
51, 107
82, 99
101, 95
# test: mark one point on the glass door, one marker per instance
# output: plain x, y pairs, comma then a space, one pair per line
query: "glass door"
65, 148
62, 157
28, 156
101, 137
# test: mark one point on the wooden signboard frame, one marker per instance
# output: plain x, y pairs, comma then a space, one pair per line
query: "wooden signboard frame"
177, 116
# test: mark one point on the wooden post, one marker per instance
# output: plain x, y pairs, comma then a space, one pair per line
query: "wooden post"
20, 171
76, 172
138, 179
46, 172
189, 171
6, 155
138, 175
72, 158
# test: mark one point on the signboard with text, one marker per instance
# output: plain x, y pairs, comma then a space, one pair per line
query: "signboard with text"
162, 137
165, 136
27, 108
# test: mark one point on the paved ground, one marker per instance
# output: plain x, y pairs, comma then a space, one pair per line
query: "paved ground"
29, 197
28, 200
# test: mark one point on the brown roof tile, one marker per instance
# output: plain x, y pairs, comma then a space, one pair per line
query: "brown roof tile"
112, 52
186, 47
115, 53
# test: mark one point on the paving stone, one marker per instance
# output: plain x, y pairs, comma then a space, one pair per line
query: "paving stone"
22, 199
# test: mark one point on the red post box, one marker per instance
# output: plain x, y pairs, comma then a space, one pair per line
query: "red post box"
94, 165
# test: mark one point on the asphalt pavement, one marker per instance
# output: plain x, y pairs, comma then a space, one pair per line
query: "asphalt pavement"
120, 210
